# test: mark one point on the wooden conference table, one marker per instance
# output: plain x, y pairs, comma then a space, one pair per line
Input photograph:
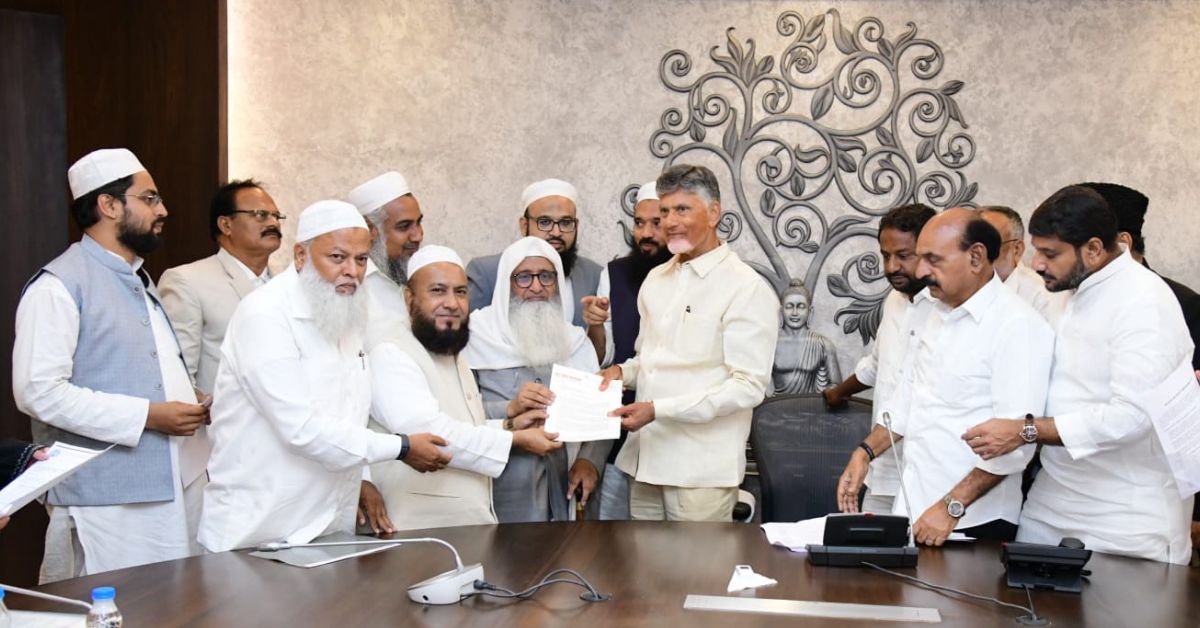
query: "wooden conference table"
649, 568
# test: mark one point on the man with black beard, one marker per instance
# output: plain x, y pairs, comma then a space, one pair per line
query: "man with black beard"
888, 366
548, 212
96, 364
420, 383
613, 323
514, 343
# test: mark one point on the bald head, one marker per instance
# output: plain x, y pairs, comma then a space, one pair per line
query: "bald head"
956, 250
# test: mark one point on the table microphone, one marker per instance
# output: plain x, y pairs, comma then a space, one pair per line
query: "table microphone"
887, 423
445, 588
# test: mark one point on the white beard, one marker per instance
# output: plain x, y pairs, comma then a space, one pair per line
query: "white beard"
539, 331
337, 316
679, 246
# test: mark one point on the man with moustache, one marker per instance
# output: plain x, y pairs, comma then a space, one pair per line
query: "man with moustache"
548, 212
1017, 276
1104, 478
888, 366
709, 324
514, 343
96, 363
420, 382
982, 352
614, 332
292, 396
394, 216
200, 297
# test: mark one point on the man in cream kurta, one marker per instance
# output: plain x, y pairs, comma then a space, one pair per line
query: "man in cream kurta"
704, 354
420, 382
292, 396
1104, 477
200, 297
96, 363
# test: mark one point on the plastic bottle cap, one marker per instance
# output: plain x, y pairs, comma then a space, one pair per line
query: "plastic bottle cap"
104, 593
1, 594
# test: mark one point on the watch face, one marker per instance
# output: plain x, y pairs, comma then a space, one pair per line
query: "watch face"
1029, 434
955, 508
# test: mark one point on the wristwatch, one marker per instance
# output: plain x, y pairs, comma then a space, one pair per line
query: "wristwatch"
403, 446
954, 507
1029, 433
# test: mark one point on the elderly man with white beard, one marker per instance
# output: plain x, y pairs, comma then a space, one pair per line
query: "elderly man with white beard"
292, 395
514, 343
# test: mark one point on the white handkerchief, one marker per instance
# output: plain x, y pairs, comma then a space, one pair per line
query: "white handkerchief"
744, 578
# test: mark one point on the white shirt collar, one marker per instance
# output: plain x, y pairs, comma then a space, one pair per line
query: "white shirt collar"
263, 278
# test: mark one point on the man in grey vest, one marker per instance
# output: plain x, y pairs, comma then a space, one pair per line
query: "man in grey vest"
96, 364
548, 212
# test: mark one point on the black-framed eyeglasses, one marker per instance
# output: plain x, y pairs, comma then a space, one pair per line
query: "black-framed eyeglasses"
261, 215
150, 198
546, 224
525, 279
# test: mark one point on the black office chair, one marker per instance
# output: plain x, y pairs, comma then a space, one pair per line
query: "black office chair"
801, 448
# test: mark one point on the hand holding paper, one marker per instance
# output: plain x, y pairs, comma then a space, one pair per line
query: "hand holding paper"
580, 409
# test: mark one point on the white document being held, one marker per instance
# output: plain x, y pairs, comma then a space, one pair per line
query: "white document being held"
63, 460
580, 409
1174, 409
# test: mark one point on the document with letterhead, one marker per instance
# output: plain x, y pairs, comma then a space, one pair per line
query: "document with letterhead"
580, 409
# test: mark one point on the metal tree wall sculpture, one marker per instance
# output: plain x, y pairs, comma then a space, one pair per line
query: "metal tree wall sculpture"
818, 144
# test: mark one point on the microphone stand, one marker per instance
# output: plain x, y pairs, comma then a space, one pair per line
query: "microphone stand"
887, 423
46, 596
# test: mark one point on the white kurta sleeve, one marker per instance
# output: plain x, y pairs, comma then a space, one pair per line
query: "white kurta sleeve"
749, 332
402, 401
270, 371
47, 333
1143, 357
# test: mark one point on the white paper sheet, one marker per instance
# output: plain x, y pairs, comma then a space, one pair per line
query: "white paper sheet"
34, 619
580, 409
1174, 409
39, 477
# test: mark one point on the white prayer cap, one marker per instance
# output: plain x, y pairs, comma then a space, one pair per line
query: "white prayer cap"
548, 187
325, 216
379, 191
432, 254
648, 192
101, 167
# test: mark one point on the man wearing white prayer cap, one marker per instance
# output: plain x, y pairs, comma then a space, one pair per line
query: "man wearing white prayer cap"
292, 395
614, 322
513, 345
420, 382
394, 218
548, 211
96, 363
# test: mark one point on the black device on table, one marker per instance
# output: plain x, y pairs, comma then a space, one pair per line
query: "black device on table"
852, 539
1038, 566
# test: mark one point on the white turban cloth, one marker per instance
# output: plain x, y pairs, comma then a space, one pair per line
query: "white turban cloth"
432, 254
379, 191
548, 187
101, 167
492, 345
327, 216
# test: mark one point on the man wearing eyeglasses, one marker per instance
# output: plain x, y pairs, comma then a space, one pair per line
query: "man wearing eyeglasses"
513, 345
548, 212
96, 364
1016, 276
200, 297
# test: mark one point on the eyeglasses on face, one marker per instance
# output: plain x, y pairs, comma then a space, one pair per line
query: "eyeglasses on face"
525, 279
546, 224
261, 215
150, 198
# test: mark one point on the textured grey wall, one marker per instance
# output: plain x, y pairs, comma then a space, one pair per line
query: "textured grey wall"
473, 100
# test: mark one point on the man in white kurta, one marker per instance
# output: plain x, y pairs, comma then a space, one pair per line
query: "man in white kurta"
421, 383
1016, 276
982, 352
1104, 479
292, 396
708, 331
887, 367
141, 507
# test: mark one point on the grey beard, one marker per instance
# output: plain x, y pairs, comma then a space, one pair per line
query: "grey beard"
539, 331
337, 316
396, 270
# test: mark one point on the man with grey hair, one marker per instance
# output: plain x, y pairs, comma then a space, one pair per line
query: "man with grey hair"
514, 343
292, 395
394, 218
703, 362
1016, 276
